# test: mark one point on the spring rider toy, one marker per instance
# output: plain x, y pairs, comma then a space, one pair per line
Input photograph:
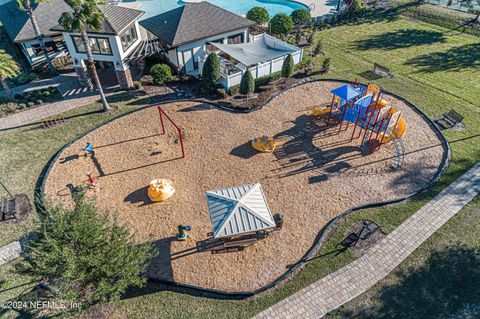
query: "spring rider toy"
89, 150
182, 232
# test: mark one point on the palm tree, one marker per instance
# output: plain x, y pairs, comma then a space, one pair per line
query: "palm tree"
9, 68
85, 14
26, 5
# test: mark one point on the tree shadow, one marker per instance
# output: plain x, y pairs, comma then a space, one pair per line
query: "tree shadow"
445, 286
160, 265
455, 59
400, 39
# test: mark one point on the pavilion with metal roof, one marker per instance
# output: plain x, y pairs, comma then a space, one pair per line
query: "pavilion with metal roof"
239, 210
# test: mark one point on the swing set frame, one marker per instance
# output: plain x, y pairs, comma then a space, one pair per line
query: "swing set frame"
162, 113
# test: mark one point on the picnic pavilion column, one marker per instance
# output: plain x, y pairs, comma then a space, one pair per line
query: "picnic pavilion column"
82, 73
124, 76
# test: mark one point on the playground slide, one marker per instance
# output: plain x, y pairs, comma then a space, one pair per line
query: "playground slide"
400, 129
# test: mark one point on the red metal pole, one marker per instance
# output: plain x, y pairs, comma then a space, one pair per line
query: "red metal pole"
356, 123
181, 143
160, 111
376, 136
331, 110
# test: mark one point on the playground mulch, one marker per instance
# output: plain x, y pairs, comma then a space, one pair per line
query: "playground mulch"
313, 176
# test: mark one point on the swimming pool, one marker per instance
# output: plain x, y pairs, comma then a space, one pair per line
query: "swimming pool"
241, 7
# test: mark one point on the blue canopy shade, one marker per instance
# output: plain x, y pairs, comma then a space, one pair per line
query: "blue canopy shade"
346, 92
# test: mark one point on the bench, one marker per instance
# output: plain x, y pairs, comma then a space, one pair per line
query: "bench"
382, 71
8, 208
240, 243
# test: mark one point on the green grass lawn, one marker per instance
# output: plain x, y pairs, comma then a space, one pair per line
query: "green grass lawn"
439, 280
414, 51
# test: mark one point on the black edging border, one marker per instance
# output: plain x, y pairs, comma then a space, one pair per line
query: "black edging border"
322, 235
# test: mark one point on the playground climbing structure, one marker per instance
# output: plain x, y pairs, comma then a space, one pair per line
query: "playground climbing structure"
375, 121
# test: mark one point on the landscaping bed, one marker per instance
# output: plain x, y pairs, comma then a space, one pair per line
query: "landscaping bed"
29, 99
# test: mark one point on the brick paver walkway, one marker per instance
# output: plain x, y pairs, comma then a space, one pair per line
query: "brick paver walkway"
350, 281
74, 96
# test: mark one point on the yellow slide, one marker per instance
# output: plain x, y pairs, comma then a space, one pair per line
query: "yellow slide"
400, 129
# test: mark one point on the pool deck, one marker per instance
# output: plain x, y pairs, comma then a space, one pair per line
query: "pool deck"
318, 8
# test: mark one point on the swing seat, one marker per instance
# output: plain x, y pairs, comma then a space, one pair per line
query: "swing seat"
160, 190
264, 144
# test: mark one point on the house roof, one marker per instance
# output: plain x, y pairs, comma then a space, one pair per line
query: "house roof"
118, 18
193, 22
255, 52
18, 26
238, 210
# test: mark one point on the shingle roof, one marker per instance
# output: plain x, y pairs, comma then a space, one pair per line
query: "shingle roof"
18, 26
118, 18
193, 22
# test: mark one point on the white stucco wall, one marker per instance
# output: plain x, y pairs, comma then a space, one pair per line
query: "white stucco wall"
117, 55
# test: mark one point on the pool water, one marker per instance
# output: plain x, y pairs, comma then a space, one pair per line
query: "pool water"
241, 7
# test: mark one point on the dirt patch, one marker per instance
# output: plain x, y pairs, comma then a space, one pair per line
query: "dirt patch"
361, 236
314, 175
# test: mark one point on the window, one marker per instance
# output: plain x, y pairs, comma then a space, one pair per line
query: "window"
97, 45
128, 38
235, 39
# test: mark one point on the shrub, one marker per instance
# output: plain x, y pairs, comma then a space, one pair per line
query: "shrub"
222, 92
30, 104
38, 102
259, 15
306, 62
161, 73
21, 106
301, 17
267, 87
18, 96
138, 85
281, 24
211, 72
265, 80
46, 93
233, 90
318, 48
311, 38
298, 38
97, 266
26, 77
326, 65
287, 67
247, 84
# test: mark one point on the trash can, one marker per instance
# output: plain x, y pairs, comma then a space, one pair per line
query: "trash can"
278, 218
